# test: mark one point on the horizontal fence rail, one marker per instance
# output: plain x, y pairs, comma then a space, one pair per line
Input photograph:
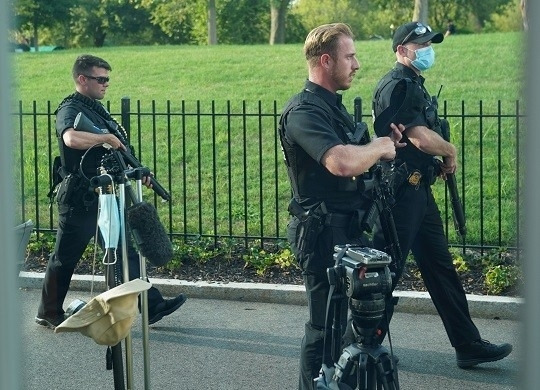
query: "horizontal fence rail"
221, 162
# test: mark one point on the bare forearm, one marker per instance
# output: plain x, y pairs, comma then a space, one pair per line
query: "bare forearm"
353, 160
82, 140
430, 142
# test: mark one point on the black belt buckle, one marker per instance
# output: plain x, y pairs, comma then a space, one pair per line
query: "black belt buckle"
415, 178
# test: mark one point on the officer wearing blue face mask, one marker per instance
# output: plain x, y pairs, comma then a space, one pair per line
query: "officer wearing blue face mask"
400, 97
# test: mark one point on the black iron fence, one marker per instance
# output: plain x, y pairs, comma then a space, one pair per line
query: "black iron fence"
221, 162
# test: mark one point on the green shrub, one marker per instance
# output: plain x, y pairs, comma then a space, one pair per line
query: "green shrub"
501, 277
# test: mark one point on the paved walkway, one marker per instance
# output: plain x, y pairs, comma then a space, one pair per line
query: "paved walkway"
244, 345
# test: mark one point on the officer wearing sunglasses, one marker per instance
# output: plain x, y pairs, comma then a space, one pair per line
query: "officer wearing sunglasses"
401, 97
80, 156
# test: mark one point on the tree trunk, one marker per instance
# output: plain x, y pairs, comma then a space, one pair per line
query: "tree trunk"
34, 40
99, 37
523, 8
278, 15
420, 13
212, 23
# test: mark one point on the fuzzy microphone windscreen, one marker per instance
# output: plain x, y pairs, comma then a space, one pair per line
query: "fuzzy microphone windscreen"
149, 234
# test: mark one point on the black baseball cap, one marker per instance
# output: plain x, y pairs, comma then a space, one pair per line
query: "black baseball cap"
415, 32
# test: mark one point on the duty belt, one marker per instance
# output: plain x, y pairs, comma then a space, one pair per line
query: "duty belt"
338, 220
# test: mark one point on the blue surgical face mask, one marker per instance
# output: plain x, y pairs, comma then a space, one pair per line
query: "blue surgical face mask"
425, 57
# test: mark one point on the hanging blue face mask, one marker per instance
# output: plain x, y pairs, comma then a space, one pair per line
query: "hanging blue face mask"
425, 57
109, 220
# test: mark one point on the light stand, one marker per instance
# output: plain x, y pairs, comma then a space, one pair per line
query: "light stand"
124, 189
138, 174
103, 183
136, 171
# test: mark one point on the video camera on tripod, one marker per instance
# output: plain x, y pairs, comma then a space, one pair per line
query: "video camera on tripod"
362, 274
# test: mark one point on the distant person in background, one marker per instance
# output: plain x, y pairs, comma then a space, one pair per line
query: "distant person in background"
450, 28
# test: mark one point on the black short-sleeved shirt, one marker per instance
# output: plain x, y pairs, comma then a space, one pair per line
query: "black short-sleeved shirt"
391, 93
65, 119
311, 127
313, 122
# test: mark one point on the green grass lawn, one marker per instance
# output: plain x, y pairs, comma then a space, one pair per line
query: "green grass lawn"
484, 67
480, 73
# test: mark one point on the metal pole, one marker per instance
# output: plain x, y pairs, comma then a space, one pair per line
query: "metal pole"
116, 350
144, 306
125, 272
10, 337
531, 336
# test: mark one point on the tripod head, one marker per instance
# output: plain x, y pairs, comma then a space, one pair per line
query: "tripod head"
362, 274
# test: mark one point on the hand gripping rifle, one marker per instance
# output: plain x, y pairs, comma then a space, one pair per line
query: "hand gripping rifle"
451, 183
82, 123
379, 185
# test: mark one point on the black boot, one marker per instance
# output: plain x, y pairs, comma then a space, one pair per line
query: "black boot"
480, 351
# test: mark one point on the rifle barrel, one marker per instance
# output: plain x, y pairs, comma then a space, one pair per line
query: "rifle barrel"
457, 209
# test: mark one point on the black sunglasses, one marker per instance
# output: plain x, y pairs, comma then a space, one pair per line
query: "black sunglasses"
99, 79
418, 31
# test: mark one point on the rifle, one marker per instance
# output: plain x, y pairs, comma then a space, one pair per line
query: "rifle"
83, 123
379, 185
451, 183
361, 134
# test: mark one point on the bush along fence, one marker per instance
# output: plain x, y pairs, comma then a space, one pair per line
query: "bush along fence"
221, 162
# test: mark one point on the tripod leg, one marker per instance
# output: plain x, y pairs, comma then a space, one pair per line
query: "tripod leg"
118, 368
372, 382
387, 377
367, 373
363, 373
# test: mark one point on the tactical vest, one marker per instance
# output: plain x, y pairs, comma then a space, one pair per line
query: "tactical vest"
308, 178
93, 110
414, 157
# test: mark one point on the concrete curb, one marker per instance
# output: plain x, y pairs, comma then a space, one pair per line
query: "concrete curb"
480, 306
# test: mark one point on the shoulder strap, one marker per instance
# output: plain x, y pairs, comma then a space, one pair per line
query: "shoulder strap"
113, 125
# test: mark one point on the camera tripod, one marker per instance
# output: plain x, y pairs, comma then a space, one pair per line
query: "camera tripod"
367, 282
364, 363
375, 367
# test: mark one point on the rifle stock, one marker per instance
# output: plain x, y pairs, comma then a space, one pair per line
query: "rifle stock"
378, 182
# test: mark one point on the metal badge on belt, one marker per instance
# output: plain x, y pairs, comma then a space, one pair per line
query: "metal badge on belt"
414, 178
